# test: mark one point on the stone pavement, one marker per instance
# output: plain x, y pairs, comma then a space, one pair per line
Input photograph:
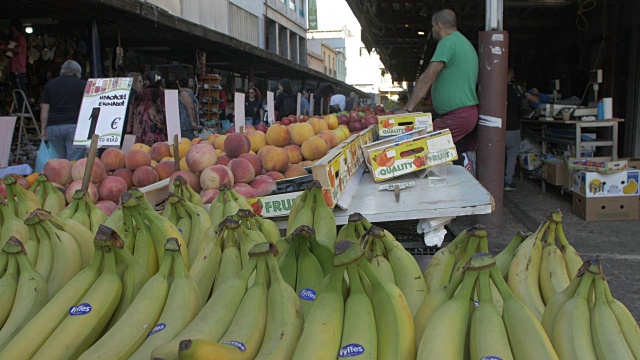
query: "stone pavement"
614, 241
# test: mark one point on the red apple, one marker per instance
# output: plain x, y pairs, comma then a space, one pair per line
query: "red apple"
231, 130
293, 118
286, 121
370, 120
343, 119
355, 117
356, 126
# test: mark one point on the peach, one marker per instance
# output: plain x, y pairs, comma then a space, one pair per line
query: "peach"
165, 169
207, 142
236, 144
159, 150
245, 190
112, 159
331, 138
332, 121
200, 157
223, 159
126, 175
145, 176
278, 135
212, 137
111, 187
215, 176
107, 206
295, 155
58, 171
183, 164
219, 152
258, 140
183, 146
318, 124
295, 170
255, 162
140, 146
314, 148
264, 185
301, 132
306, 163
340, 134
192, 179
219, 143
264, 150
97, 173
167, 158
209, 195
137, 158
196, 141
275, 159
242, 170
77, 185
275, 175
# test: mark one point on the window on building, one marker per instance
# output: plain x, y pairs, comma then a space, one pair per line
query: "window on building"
292, 5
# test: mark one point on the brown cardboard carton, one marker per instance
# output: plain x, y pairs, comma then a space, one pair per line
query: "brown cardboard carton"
605, 208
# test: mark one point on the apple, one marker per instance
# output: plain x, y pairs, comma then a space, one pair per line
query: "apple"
356, 126
357, 108
379, 108
343, 119
262, 127
355, 117
370, 120
286, 121
231, 130
293, 118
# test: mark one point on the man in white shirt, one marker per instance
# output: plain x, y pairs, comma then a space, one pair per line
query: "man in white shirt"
338, 101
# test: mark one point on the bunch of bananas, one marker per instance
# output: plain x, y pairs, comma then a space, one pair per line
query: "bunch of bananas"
76, 316
584, 321
461, 327
48, 196
84, 211
182, 189
226, 204
191, 220
540, 269
22, 202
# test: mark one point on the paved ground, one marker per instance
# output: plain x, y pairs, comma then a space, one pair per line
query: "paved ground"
615, 241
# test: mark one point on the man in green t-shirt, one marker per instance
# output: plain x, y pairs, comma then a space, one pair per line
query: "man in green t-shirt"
453, 74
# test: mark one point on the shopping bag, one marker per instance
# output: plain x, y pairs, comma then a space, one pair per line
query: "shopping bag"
45, 153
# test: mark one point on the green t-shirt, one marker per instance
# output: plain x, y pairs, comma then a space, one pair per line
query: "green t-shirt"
455, 85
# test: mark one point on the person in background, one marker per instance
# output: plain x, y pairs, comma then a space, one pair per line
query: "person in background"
305, 107
338, 102
324, 92
187, 109
453, 72
138, 84
352, 102
515, 96
18, 62
253, 107
286, 103
59, 109
147, 119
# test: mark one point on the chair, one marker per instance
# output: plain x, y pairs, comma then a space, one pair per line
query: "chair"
23, 112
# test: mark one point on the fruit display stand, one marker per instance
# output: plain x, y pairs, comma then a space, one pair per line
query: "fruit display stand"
210, 99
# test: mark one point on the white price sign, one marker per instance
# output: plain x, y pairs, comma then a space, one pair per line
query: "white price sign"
271, 108
103, 110
238, 103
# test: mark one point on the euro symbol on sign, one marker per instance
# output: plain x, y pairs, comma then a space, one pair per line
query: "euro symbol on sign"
114, 123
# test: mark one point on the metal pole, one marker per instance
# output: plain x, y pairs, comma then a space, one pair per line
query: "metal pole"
493, 50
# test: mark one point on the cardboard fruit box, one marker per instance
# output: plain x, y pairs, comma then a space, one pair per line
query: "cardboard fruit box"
594, 184
410, 152
392, 125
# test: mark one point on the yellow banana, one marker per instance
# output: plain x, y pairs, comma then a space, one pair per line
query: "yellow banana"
144, 248
309, 275
322, 329
11, 225
288, 264
38, 330
553, 273
296, 206
44, 266
240, 200
31, 293
324, 222
230, 262
138, 320
82, 214
68, 211
204, 350
231, 207
524, 272
8, 287
21, 200
184, 223
440, 267
431, 304
626, 322
527, 338
359, 336
345, 230
396, 336
194, 197
466, 251
53, 200
449, 325
488, 336
284, 316
504, 258
139, 195
133, 280
608, 341
87, 320
553, 307
67, 261
407, 273
244, 336
182, 305
269, 229
82, 236
572, 259
571, 330
200, 222
380, 263
97, 216
216, 210
219, 310
304, 216
206, 264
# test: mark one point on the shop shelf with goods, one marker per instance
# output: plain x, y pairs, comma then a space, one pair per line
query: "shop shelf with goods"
209, 98
573, 138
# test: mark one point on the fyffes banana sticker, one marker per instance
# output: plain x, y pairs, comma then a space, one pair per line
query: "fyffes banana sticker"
308, 294
237, 344
596, 186
351, 350
157, 329
82, 309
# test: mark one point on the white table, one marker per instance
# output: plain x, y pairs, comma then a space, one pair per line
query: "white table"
462, 195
